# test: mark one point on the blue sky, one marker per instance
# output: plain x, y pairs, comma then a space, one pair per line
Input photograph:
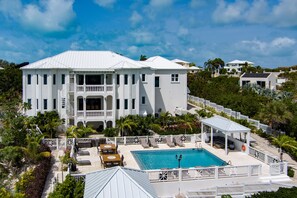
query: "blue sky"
262, 31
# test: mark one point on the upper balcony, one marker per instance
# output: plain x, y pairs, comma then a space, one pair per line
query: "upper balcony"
95, 83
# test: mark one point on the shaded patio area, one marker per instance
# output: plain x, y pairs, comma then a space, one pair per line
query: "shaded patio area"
229, 129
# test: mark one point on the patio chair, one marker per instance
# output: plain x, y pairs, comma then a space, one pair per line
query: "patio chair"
144, 143
169, 142
178, 142
153, 142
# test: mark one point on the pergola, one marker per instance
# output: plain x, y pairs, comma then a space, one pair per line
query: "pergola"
227, 127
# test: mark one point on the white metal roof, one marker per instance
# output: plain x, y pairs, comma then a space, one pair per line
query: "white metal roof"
180, 61
240, 62
85, 60
118, 182
158, 62
224, 124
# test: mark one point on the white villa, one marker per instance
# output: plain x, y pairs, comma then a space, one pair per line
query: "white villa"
186, 64
98, 87
237, 65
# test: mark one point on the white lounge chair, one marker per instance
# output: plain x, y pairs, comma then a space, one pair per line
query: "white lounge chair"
169, 142
153, 142
144, 143
178, 142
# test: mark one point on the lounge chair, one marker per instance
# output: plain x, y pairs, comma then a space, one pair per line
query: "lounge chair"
169, 142
178, 142
144, 143
153, 142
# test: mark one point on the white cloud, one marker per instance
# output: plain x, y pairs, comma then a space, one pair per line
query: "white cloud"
105, 3
47, 16
10, 8
229, 12
281, 14
197, 3
281, 46
182, 31
75, 46
143, 37
135, 18
160, 3
133, 50
285, 13
283, 42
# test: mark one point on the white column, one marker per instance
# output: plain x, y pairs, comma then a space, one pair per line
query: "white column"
50, 93
84, 107
114, 98
247, 150
202, 138
226, 143
211, 136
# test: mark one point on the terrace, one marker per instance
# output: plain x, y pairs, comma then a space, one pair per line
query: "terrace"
243, 169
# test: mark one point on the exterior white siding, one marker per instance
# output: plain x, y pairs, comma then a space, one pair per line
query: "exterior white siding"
93, 96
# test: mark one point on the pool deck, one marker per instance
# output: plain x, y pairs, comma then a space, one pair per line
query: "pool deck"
237, 158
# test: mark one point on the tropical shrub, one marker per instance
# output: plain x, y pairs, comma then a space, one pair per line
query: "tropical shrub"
291, 172
70, 188
110, 132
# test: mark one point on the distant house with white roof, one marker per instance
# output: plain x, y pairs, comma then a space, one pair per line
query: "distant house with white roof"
192, 69
236, 65
98, 87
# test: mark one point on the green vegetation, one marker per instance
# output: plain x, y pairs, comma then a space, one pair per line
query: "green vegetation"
135, 125
281, 114
281, 193
70, 188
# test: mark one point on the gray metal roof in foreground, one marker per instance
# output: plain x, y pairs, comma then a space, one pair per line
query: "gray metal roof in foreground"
118, 182
224, 124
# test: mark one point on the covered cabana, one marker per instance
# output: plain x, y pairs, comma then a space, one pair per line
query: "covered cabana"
228, 127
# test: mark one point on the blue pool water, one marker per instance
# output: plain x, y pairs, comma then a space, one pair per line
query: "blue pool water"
158, 159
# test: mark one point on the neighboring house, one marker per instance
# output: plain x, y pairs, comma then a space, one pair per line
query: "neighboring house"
118, 182
265, 80
98, 87
236, 65
191, 69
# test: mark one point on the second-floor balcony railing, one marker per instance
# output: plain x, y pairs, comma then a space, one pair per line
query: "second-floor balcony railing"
93, 88
94, 113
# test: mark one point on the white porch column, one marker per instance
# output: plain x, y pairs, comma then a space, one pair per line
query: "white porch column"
211, 136
247, 150
202, 138
226, 143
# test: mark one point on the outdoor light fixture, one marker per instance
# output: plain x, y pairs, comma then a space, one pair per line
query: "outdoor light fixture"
179, 157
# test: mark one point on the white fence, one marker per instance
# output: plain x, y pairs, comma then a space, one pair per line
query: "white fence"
203, 173
230, 112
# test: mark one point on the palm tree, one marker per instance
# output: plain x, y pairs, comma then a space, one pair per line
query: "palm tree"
284, 141
142, 57
274, 113
79, 132
32, 148
187, 120
214, 64
165, 119
123, 124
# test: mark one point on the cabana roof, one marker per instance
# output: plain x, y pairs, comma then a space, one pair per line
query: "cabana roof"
224, 124
118, 182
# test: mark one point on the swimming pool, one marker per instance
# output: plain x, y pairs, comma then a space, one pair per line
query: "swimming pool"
158, 159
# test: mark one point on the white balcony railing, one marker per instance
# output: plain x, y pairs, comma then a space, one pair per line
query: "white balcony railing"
109, 113
109, 88
94, 88
91, 113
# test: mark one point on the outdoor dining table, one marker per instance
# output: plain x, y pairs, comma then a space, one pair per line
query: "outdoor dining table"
108, 148
111, 160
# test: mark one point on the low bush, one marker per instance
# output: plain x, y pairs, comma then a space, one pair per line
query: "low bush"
291, 172
281, 193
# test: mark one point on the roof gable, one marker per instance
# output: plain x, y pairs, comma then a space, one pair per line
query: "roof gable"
224, 124
118, 182
158, 62
88, 60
